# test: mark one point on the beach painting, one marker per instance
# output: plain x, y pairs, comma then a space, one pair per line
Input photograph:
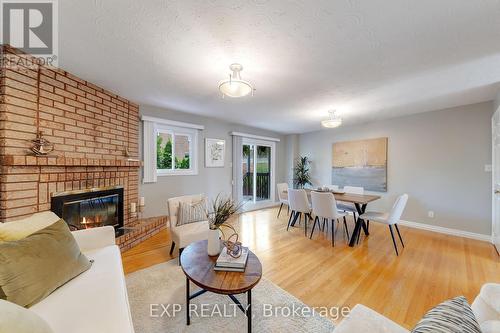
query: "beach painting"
361, 163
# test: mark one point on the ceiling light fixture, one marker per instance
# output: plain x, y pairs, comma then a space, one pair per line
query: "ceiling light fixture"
235, 86
334, 121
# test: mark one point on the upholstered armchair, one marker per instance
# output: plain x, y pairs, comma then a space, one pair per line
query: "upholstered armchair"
183, 235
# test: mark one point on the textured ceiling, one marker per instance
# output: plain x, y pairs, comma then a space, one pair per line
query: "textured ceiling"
369, 59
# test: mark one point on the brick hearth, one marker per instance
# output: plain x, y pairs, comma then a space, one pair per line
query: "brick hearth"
90, 128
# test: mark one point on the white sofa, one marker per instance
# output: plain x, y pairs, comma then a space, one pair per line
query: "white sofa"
486, 307
185, 234
95, 301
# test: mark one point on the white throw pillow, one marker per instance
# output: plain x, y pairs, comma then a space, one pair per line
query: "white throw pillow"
191, 212
16, 230
16, 319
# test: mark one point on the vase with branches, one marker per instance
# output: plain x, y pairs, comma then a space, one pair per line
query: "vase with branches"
301, 174
220, 210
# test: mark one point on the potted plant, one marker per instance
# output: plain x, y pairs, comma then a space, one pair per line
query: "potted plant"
301, 172
222, 208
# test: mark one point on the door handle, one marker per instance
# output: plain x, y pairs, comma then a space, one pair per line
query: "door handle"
497, 191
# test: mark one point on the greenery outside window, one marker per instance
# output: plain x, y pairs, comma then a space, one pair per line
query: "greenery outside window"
175, 151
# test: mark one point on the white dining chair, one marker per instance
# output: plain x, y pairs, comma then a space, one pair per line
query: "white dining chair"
324, 206
283, 196
299, 205
349, 207
354, 189
332, 187
391, 219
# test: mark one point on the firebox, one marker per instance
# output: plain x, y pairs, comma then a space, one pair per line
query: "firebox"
90, 208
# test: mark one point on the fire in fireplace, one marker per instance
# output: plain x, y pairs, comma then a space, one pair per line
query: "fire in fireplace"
90, 208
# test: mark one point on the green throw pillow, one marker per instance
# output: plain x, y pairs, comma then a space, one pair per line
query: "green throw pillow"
33, 267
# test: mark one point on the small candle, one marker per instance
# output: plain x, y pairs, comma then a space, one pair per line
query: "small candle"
142, 201
133, 207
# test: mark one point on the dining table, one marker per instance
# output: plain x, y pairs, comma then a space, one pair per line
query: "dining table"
360, 202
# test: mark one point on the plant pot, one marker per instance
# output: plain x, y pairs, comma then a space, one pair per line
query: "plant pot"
214, 245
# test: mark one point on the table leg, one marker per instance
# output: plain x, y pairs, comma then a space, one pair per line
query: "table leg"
188, 297
360, 223
249, 310
362, 210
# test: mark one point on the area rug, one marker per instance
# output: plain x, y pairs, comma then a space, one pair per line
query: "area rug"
157, 302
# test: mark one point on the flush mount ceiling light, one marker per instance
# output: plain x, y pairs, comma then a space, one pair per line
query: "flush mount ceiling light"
235, 86
333, 121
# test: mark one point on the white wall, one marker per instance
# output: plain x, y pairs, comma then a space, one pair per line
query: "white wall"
209, 181
438, 158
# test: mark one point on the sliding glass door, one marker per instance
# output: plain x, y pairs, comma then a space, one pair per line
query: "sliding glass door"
257, 171
248, 171
263, 176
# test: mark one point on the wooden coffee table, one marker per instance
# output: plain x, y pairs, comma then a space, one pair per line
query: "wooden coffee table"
198, 267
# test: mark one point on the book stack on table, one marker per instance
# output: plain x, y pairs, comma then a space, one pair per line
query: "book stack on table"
229, 264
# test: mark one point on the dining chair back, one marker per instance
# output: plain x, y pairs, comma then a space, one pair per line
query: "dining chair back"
282, 192
349, 207
324, 205
282, 196
331, 187
354, 189
298, 201
299, 205
397, 209
390, 219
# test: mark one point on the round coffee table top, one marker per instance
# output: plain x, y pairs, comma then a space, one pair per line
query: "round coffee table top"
199, 268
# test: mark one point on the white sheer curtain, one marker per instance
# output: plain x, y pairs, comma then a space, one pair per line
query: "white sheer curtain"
237, 160
149, 152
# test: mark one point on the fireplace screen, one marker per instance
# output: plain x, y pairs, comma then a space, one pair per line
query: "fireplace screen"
91, 213
90, 208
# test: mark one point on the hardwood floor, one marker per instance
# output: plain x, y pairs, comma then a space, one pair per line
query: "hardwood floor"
433, 267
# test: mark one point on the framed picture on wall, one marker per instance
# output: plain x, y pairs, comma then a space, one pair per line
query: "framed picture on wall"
215, 152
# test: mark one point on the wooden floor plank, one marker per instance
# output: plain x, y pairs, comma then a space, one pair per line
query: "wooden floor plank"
433, 267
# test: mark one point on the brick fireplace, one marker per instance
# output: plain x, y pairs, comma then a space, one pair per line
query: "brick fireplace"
95, 135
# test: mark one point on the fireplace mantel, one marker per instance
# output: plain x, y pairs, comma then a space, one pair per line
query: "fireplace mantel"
18, 160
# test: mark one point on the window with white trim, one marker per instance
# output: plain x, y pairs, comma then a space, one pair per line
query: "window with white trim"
170, 148
176, 150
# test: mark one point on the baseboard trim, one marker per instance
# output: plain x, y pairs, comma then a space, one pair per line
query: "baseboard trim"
447, 231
